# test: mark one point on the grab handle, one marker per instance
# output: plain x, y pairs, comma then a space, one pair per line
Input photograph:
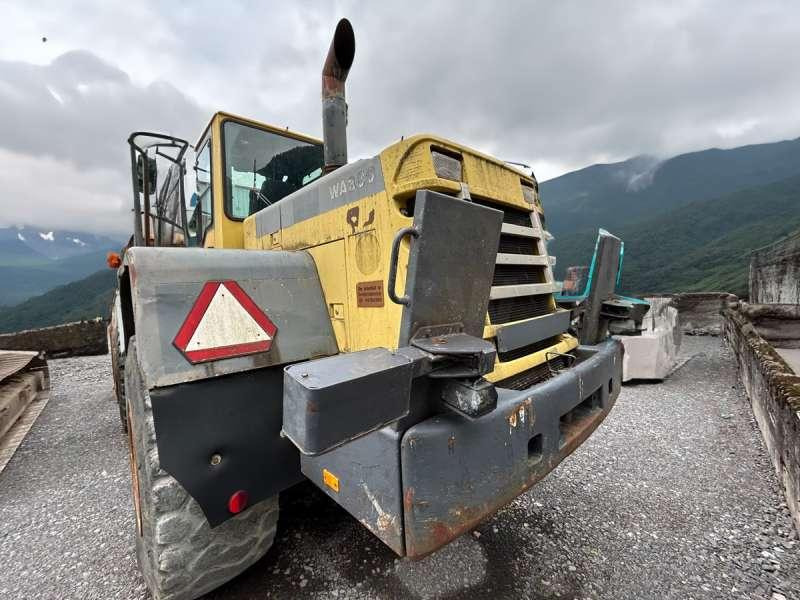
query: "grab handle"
392, 283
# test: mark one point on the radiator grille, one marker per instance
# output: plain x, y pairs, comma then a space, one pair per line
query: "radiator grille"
526, 350
518, 274
506, 310
513, 216
512, 244
534, 375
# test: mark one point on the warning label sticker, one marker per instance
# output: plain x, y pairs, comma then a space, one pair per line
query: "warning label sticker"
369, 294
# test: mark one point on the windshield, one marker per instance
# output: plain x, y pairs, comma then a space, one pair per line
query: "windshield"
262, 167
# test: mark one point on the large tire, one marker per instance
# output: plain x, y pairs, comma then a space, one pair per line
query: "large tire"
180, 556
117, 365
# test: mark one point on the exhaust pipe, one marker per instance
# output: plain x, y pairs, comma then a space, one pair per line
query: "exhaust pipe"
334, 108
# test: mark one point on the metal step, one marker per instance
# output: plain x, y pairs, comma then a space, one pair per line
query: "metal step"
521, 231
521, 259
511, 291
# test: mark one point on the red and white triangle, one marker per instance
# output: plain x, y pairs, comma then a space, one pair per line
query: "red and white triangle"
224, 322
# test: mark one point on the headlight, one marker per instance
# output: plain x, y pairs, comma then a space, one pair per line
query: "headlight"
446, 166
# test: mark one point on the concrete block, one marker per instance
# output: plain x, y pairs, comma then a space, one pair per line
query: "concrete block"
653, 354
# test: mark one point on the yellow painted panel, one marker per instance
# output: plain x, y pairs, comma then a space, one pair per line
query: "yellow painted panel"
367, 246
330, 261
512, 367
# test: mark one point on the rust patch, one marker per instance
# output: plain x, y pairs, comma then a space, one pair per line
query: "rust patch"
408, 498
520, 414
441, 533
451, 444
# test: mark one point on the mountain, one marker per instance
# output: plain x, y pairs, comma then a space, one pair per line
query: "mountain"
33, 261
47, 244
616, 194
701, 246
86, 298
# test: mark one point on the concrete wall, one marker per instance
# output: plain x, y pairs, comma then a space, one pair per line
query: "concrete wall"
774, 392
72, 339
700, 313
775, 273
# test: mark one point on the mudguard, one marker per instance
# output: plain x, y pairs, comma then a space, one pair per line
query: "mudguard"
218, 422
166, 283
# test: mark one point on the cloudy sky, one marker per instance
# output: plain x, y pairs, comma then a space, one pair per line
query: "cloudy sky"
558, 85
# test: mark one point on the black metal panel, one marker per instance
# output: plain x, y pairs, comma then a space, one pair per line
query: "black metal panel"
604, 279
456, 471
367, 475
334, 400
237, 417
516, 335
451, 264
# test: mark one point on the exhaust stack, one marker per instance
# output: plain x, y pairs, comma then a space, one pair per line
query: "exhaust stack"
334, 108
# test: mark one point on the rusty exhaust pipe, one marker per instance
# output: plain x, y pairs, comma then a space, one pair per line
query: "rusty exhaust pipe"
334, 108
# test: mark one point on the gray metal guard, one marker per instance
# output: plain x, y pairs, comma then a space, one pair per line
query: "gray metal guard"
165, 283
450, 266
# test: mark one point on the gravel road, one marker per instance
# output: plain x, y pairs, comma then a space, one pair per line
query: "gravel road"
673, 497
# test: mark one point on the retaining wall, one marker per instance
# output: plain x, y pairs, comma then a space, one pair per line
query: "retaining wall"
71, 339
774, 392
700, 313
775, 273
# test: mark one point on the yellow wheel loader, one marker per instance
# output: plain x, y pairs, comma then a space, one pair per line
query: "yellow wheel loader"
385, 328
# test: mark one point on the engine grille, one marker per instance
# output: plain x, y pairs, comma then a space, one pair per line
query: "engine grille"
507, 310
534, 375
511, 244
513, 216
519, 307
518, 274
529, 349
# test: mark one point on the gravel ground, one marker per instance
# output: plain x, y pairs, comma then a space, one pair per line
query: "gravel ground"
673, 497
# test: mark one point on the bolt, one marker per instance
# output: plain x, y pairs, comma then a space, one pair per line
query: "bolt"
215, 459
303, 374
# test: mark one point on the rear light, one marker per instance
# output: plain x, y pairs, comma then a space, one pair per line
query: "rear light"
446, 166
238, 501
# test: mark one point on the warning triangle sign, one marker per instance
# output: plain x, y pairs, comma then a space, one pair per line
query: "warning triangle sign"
224, 322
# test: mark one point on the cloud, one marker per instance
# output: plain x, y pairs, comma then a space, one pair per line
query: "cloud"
81, 109
67, 138
558, 85
50, 193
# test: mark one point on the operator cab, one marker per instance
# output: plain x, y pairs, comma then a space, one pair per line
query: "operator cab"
242, 166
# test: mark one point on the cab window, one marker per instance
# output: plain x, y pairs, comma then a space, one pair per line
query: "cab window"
201, 201
262, 167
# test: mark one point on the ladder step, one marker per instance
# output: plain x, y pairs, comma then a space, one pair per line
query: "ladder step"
531, 289
521, 259
520, 231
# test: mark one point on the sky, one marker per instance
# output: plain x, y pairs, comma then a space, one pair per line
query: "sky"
557, 85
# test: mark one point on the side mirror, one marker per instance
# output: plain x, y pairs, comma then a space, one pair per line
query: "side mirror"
152, 173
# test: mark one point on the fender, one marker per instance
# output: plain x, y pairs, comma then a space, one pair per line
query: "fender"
218, 422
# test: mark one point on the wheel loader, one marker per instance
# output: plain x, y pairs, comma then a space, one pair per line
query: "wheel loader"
385, 328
